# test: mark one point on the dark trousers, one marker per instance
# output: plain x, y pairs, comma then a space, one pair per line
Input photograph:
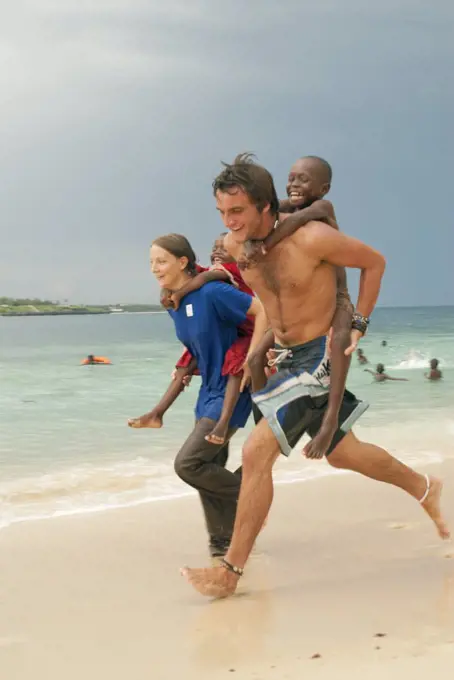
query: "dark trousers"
202, 465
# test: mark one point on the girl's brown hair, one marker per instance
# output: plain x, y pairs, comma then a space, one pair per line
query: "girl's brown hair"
179, 246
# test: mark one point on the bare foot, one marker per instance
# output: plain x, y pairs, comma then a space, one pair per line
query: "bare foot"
215, 582
432, 506
148, 420
218, 434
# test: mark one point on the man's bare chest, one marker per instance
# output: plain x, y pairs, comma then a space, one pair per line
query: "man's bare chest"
283, 271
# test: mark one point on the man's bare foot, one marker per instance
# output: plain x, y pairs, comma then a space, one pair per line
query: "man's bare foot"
218, 434
152, 420
215, 582
432, 506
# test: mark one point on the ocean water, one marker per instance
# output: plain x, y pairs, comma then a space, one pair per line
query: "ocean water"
65, 446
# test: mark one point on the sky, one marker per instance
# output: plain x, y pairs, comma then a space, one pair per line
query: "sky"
116, 115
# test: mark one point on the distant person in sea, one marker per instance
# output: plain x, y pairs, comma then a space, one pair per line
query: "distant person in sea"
380, 375
434, 373
92, 360
384, 343
206, 323
362, 359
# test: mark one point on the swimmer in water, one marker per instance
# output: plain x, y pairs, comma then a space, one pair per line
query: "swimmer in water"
434, 373
380, 375
362, 359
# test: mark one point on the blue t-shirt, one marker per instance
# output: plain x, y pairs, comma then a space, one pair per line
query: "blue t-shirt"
206, 323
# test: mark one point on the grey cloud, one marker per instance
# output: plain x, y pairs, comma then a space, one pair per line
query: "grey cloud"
116, 114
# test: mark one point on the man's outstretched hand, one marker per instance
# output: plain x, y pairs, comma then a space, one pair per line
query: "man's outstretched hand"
355, 337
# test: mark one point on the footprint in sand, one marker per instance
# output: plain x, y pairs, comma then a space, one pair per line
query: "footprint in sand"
401, 525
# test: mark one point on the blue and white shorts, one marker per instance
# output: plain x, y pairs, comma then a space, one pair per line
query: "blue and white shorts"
295, 398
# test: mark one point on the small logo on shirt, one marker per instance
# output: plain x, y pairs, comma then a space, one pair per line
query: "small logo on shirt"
189, 310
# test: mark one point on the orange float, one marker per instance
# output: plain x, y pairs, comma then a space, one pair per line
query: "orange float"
92, 360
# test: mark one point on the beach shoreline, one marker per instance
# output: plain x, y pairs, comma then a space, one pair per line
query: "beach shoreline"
341, 561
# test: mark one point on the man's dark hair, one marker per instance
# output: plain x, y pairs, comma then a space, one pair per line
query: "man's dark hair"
253, 179
326, 171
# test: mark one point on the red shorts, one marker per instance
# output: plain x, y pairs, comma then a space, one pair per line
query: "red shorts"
234, 357
185, 360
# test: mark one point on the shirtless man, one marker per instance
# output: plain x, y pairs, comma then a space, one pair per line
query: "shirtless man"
297, 286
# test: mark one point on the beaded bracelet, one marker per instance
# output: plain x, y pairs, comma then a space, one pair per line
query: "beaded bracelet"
231, 567
360, 323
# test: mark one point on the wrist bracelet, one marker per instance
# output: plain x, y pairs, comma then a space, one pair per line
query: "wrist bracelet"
360, 323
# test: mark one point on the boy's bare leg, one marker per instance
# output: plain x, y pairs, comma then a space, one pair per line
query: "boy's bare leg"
232, 394
340, 340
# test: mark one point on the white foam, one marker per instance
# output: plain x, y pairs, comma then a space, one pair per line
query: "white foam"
90, 489
414, 359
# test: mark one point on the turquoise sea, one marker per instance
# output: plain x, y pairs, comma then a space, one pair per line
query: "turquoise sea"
64, 444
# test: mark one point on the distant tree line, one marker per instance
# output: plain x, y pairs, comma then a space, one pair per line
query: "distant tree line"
16, 302
39, 304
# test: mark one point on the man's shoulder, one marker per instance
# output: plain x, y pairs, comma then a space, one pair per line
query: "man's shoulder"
302, 237
313, 231
311, 241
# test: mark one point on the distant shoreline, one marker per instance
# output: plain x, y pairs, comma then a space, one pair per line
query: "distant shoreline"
28, 307
61, 310
79, 313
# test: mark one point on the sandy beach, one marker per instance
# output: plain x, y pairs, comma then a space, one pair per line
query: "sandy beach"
349, 579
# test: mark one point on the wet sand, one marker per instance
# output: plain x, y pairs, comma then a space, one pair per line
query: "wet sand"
349, 579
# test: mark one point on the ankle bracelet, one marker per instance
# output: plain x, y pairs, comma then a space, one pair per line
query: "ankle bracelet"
231, 567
